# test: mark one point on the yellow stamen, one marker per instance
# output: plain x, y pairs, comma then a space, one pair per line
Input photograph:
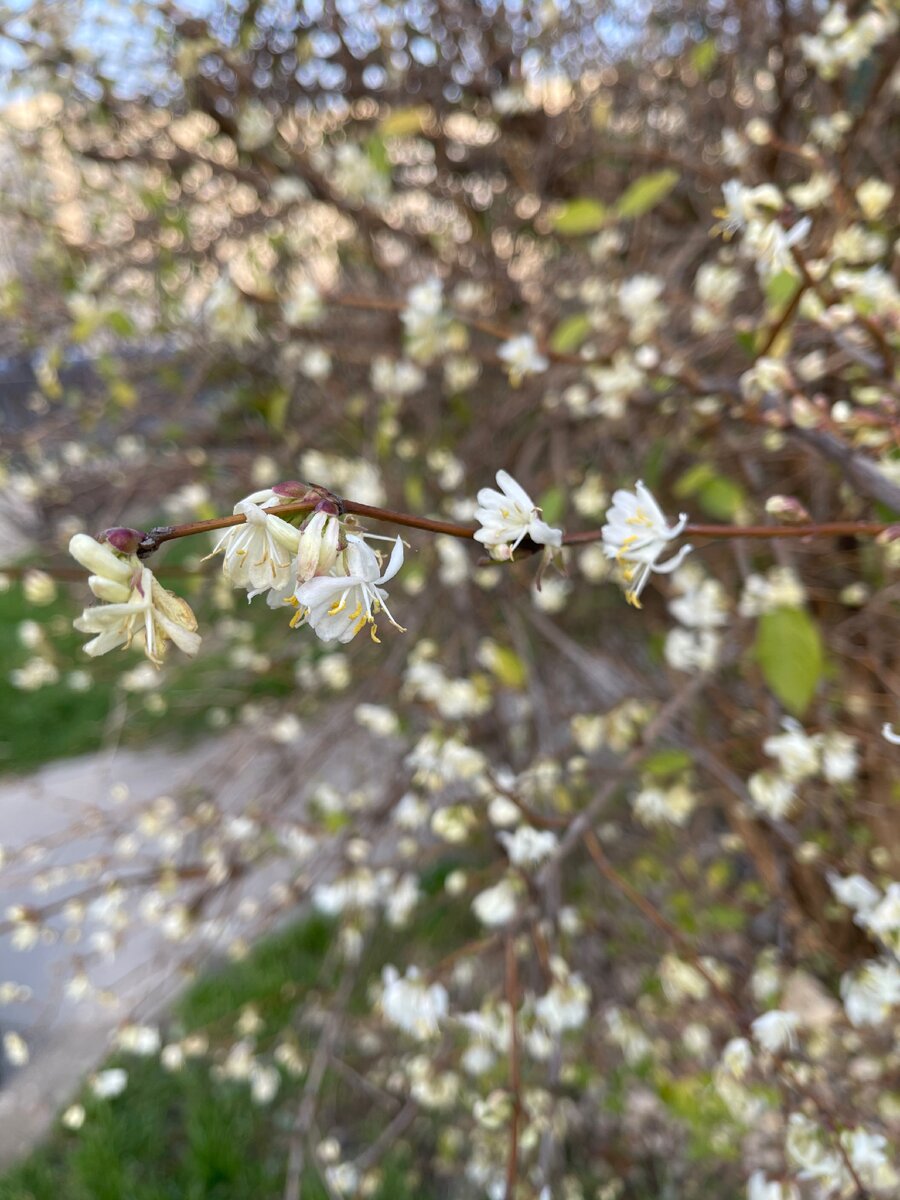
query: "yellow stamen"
338, 606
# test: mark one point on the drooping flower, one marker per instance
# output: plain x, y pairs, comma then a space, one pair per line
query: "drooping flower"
136, 603
150, 609
509, 516
337, 606
636, 534
319, 543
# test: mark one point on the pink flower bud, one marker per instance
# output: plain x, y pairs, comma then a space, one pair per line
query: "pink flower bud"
787, 509
123, 539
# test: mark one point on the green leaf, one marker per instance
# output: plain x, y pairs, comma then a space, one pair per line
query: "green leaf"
580, 216
277, 406
781, 289
717, 495
570, 333
703, 57
378, 155
508, 668
120, 323
552, 504
646, 192
403, 122
789, 651
665, 763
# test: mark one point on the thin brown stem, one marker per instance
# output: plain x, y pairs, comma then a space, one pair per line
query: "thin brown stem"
167, 533
515, 1078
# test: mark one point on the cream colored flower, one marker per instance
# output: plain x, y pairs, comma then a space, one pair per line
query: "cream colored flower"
636, 534
135, 602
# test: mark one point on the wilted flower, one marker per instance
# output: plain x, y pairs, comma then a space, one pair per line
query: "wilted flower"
636, 534
139, 605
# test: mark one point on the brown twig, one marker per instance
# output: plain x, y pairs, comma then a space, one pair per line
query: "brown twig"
515, 1079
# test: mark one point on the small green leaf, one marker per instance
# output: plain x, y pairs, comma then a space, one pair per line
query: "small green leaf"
580, 216
552, 504
646, 192
403, 122
570, 333
703, 57
509, 669
665, 763
717, 495
789, 651
277, 408
781, 288
378, 155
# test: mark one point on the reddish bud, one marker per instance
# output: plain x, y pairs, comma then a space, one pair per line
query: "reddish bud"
123, 539
293, 489
787, 509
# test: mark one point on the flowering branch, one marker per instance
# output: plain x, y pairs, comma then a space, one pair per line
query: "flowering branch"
156, 537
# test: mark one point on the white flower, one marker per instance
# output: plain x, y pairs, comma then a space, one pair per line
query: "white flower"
855, 891
107, 1084
770, 244
146, 608
228, 316
743, 204
692, 649
868, 1154
884, 919
702, 602
260, 553
318, 545
737, 1057
797, 754
840, 760
870, 994
528, 847
776, 1031
496, 905
411, 1005
16, 1049
337, 606
509, 516
522, 357
772, 794
760, 1188
141, 1040
664, 806
303, 305
565, 1005
636, 534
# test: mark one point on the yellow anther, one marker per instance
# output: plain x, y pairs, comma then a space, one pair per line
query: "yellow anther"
337, 607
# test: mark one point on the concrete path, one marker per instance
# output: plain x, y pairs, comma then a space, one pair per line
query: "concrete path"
77, 811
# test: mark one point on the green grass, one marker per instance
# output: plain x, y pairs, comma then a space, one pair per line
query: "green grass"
54, 721
183, 1135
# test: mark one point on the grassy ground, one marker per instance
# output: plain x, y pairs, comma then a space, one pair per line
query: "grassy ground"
182, 1135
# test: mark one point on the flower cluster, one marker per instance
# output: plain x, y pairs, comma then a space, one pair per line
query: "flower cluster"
135, 605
